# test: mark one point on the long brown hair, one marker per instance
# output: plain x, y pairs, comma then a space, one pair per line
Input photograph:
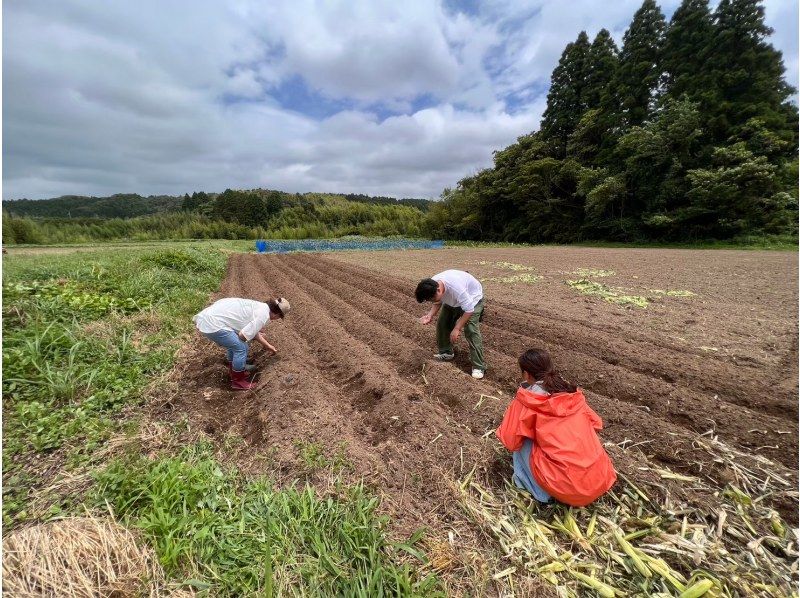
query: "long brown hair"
538, 364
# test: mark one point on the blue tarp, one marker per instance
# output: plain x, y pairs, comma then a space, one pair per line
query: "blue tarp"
344, 244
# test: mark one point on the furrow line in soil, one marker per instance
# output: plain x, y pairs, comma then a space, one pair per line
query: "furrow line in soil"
682, 407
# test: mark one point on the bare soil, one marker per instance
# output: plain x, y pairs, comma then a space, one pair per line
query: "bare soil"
355, 373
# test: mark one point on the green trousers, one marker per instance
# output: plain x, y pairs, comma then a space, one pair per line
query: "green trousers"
448, 316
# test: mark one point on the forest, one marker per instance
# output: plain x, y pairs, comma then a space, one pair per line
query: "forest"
687, 132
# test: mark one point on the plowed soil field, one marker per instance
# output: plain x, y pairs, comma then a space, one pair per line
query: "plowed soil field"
703, 386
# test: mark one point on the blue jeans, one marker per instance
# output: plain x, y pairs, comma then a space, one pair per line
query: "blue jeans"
523, 477
236, 347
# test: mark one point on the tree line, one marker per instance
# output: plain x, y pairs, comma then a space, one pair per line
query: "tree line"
131, 205
687, 132
255, 214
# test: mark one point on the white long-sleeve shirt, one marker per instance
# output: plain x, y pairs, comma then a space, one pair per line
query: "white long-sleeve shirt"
240, 315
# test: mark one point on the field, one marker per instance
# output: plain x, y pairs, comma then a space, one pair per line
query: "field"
698, 392
690, 357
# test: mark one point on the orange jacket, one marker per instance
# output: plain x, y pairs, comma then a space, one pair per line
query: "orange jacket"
567, 459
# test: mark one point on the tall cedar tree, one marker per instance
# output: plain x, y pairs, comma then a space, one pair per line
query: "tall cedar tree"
687, 44
639, 72
602, 65
748, 73
593, 137
565, 101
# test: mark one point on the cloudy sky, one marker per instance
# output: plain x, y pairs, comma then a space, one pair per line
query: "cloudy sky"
384, 98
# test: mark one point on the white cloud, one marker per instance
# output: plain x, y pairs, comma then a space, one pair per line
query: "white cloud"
399, 99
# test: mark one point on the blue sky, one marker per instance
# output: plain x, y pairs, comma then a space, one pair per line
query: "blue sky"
385, 98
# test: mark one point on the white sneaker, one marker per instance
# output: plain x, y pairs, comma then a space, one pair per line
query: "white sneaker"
477, 374
444, 356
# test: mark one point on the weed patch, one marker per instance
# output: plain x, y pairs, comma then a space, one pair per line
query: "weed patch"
590, 287
314, 457
592, 273
525, 278
218, 532
178, 260
507, 266
675, 293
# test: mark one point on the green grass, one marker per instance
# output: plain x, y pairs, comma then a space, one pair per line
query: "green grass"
219, 532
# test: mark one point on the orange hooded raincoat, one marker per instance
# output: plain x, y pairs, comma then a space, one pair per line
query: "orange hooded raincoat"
567, 459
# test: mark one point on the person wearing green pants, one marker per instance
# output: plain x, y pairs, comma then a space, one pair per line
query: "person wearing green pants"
457, 298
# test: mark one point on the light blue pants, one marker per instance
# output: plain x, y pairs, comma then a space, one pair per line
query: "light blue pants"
235, 347
523, 477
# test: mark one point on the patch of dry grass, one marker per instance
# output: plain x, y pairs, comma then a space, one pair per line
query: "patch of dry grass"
80, 556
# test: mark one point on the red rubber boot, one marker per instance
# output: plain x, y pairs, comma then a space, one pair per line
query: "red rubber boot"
241, 380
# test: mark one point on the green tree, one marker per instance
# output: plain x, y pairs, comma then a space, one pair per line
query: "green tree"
589, 138
17, 231
738, 194
565, 100
687, 45
639, 73
638, 194
243, 207
273, 203
602, 62
748, 75
193, 203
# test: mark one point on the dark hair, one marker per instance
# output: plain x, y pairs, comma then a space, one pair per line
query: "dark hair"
273, 307
426, 290
538, 364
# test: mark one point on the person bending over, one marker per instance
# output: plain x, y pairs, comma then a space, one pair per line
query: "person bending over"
551, 431
457, 297
232, 323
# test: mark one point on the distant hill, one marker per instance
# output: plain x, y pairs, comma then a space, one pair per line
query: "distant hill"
120, 205
132, 205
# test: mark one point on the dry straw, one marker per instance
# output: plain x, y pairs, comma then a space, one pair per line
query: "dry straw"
80, 556
631, 544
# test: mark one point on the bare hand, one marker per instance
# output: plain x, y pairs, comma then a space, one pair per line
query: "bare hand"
454, 335
426, 319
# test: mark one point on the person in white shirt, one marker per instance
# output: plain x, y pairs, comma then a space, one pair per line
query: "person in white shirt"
232, 323
457, 297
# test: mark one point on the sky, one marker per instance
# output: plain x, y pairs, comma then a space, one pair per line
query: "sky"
400, 99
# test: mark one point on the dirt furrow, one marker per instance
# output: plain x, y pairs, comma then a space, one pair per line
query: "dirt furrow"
413, 436
664, 442
736, 385
683, 408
